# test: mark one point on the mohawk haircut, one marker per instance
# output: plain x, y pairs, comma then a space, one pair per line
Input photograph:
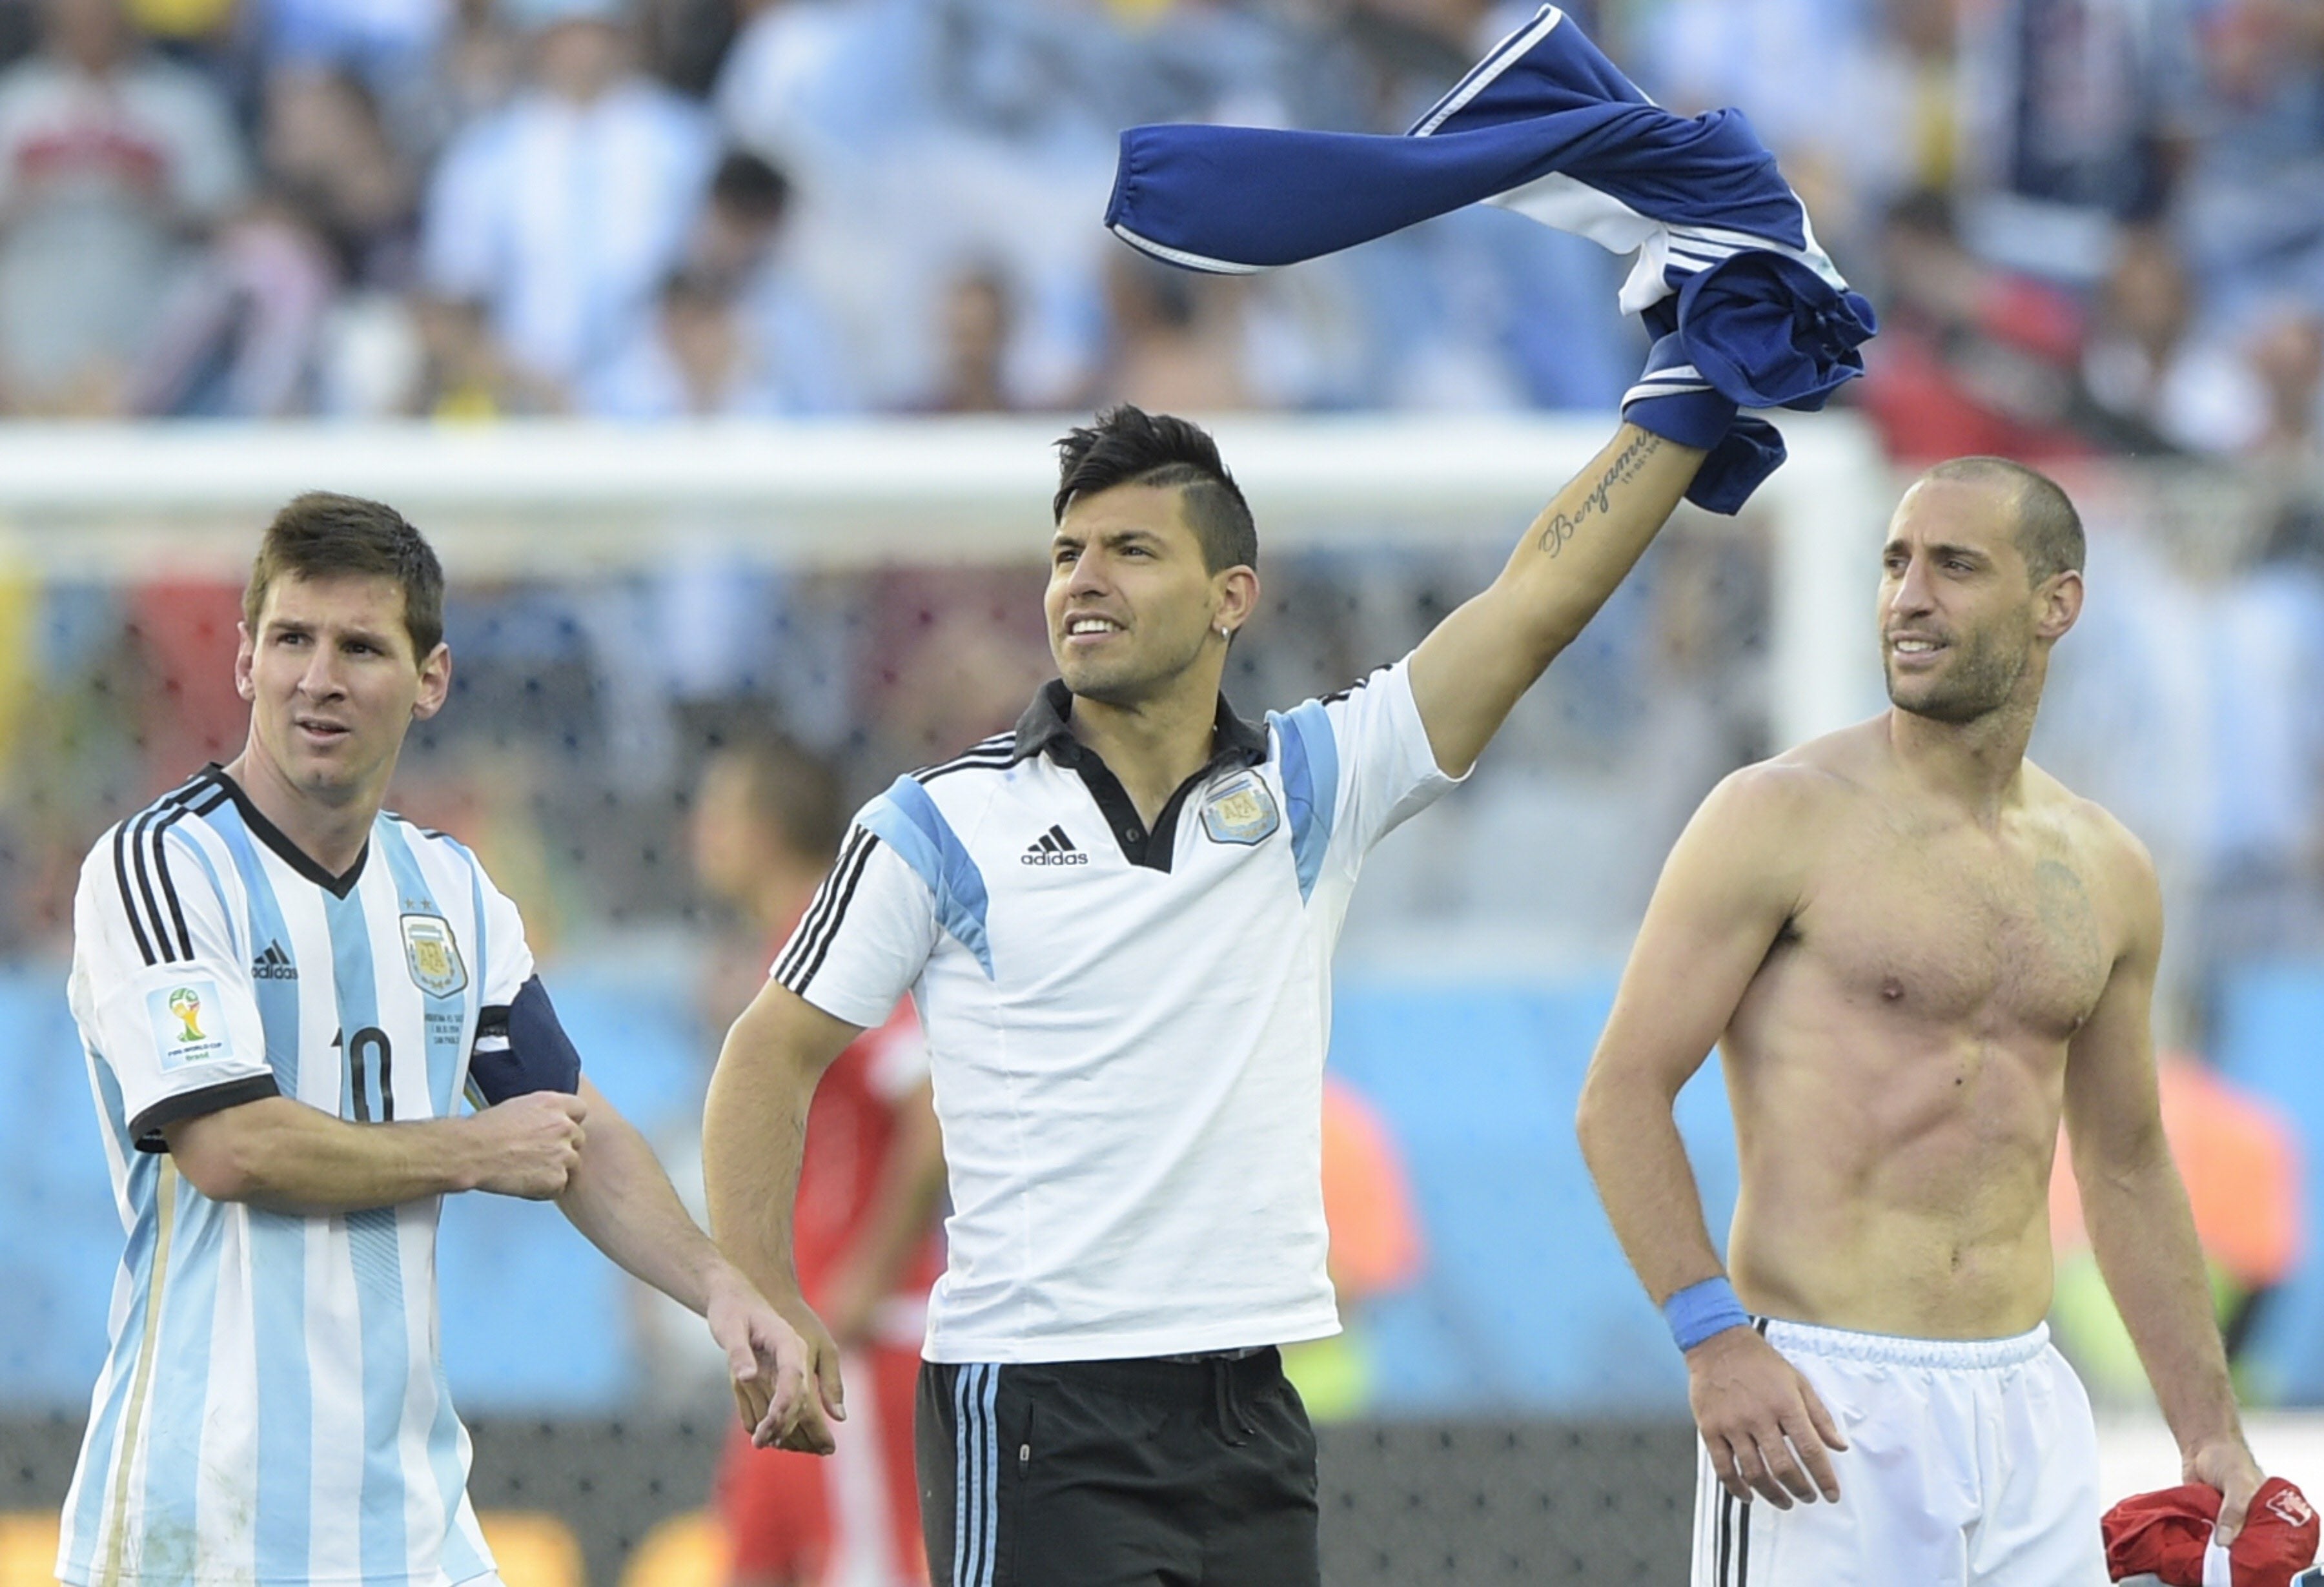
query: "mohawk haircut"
1128, 445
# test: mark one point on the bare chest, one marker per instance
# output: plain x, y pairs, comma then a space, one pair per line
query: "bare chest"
1996, 938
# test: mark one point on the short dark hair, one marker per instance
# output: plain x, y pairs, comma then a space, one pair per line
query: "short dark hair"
2048, 530
323, 535
793, 793
1128, 445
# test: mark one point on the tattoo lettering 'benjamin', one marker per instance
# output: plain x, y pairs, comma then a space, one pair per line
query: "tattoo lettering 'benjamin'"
1562, 525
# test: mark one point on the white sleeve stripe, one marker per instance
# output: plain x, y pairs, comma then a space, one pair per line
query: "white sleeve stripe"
798, 981
821, 913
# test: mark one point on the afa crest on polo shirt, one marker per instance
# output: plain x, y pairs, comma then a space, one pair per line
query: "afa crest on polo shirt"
432, 955
1242, 812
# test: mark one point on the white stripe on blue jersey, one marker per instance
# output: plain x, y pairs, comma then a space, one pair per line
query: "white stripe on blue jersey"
272, 1408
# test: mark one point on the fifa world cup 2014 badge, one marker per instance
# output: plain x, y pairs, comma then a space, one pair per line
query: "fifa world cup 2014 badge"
1242, 812
433, 955
186, 1016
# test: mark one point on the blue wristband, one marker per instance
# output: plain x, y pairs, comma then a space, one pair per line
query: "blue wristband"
1701, 1310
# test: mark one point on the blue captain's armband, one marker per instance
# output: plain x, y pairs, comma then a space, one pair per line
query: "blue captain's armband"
521, 1046
1701, 1310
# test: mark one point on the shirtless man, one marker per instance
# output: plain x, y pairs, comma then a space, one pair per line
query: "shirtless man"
1916, 949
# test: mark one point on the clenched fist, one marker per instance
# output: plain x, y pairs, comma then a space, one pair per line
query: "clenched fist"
530, 1145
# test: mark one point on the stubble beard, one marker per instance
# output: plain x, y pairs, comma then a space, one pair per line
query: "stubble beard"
1980, 681
1131, 681
332, 778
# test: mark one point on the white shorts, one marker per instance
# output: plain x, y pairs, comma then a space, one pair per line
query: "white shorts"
1970, 1463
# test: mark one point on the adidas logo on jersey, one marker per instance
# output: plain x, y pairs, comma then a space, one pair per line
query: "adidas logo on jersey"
1053, 848
274, 964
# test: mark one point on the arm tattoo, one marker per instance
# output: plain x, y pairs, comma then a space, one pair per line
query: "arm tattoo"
1562, 525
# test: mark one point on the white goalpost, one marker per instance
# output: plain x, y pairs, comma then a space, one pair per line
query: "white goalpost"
106, 500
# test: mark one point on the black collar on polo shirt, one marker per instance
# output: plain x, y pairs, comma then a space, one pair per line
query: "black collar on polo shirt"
1044, 729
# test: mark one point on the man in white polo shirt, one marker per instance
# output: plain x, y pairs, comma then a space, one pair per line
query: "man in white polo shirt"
1118, 921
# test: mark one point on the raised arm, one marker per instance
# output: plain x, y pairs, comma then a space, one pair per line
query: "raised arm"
1726, 890
1469, 672
2134, 1204
753, 1131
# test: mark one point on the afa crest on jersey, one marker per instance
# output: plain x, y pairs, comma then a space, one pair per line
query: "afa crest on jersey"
434, 957
1242, 812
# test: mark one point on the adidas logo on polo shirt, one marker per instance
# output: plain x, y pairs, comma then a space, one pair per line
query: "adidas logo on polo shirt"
274, 964
1053, 848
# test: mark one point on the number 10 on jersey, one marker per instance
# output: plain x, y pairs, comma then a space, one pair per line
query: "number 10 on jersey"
370, 1095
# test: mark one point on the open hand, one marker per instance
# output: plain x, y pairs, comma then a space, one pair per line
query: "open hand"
1766, 1428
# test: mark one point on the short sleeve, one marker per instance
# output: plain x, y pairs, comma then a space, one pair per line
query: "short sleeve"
506, 956
161, 985
865, 940
1356, 765
520, 1045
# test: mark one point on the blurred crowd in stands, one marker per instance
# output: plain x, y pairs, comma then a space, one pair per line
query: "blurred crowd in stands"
2094, 230
2089, 225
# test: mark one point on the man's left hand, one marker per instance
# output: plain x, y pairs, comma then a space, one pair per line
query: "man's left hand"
2227, 1464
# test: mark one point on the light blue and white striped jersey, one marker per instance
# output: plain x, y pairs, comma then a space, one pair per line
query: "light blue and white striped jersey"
272, 1408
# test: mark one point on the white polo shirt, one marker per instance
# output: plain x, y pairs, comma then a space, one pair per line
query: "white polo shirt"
1127, 1029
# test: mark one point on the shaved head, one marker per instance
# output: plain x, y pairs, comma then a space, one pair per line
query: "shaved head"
2047, 529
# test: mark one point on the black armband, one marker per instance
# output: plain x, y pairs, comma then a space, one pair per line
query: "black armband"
521, 1046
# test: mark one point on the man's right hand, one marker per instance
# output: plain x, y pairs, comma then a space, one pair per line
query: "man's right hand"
530, 1144
1762, 1422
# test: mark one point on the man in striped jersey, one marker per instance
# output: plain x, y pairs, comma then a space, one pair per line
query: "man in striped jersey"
284, 993
1118, 921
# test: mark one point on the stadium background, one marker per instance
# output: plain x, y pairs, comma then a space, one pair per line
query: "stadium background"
725, 443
